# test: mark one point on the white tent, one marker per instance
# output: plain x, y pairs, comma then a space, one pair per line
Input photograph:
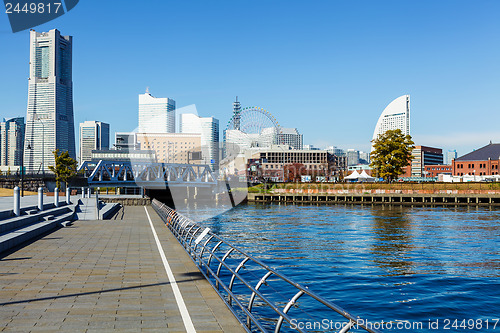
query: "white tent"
353, 176
364, 177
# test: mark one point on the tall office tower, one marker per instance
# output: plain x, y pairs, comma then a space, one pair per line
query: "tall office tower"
156, 115
395, 116
94, 135
49, 121
12, 141
450, 156
208, 127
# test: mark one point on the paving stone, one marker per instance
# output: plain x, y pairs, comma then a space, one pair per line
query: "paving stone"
100, 276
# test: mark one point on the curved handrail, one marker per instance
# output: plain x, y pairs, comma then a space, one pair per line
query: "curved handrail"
186, 231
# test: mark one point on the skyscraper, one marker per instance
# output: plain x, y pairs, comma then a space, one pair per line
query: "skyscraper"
49, 121
395, 116
208, 127
12, 141
156, 115
94, 135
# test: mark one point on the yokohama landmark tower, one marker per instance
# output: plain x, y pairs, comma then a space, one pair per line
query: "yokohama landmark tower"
49, 121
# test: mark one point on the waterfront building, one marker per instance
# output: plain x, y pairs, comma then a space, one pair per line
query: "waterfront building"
208, 127
49, 121
173, 147
12, 141
94, 135
422, 156
156, 115
484, 161
450, 156
395, 116
270, 162
438, 169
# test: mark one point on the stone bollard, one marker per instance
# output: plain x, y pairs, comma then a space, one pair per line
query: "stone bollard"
56, 197
88, 193
17, 201
68, 192
40, 199
83, 192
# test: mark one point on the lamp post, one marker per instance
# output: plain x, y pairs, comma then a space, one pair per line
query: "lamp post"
43, 145
28, 147
22, 166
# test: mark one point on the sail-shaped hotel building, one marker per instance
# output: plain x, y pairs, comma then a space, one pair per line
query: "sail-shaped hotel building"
395, 116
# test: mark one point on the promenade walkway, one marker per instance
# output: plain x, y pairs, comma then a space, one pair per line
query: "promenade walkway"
109, 275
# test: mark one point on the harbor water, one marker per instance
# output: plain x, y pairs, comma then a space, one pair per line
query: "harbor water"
437, 269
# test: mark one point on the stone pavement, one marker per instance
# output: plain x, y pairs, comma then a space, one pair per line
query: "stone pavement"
99, 276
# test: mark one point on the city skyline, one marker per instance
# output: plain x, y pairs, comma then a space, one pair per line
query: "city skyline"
344, 69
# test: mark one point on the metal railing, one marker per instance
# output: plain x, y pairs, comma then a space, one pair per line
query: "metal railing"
260, 297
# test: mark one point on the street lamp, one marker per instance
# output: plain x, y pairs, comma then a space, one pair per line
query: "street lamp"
43, 145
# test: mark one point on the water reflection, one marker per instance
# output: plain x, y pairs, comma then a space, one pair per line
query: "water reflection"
393, 241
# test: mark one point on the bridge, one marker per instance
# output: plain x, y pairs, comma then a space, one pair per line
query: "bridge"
147, 175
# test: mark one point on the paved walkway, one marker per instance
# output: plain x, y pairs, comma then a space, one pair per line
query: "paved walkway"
98, 276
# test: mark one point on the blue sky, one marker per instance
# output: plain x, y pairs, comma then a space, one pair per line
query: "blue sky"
328, 68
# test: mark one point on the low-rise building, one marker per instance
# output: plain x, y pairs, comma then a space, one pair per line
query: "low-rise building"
435, 170
484, 161
278, 161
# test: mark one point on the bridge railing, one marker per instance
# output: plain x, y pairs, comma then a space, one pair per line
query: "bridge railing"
263, 299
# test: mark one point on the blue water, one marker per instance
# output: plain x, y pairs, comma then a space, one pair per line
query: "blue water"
381, 263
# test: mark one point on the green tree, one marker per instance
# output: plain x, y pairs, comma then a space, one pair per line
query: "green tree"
65, 167
392, 152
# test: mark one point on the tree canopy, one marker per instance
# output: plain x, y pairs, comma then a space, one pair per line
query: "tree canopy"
65, 167
392, 152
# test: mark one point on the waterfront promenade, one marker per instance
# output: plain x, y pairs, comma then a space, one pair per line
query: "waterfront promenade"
109, 275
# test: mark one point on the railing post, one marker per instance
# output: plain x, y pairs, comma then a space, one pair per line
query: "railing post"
89, 192
40, 199
83, 192
17, 201
56, 197
68, 192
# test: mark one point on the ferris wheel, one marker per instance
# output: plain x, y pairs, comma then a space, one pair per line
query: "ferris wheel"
251, 127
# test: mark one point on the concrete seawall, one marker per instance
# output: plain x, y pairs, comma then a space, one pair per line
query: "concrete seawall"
434, 199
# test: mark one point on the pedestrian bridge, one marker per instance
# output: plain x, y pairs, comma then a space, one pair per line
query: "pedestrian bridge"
148, 175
